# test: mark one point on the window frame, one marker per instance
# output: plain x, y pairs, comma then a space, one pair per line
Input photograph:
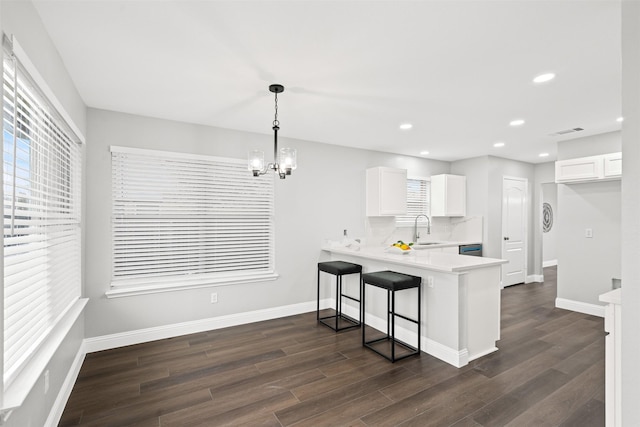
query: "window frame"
154, 283
16, 388
408, 220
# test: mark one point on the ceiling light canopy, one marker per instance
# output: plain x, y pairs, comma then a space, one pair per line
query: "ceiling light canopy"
498, 144
284, 160
516, 122
543, 78
543, 155
406, 126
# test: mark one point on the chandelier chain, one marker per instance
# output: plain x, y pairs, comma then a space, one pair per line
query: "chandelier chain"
275, 120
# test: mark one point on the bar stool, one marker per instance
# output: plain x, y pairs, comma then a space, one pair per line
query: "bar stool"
392, 282
339, 269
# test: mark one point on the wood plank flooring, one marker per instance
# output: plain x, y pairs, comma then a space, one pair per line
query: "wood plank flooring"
291, 371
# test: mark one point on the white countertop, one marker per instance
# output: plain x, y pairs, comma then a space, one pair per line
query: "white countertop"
612, 297
430, 260
447, 244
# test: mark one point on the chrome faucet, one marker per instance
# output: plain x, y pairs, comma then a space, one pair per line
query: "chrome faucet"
416, 234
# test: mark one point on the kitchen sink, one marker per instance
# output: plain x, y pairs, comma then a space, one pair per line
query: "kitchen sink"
425, 245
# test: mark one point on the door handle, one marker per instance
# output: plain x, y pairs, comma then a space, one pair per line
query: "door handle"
506, 238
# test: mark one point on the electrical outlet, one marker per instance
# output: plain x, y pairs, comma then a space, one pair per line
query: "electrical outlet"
430, 281
46, 381
588, 233
214, 298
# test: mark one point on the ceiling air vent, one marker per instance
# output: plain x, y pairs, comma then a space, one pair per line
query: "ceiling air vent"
566, 131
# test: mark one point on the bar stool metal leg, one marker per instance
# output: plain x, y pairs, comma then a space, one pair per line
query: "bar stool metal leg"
339, 269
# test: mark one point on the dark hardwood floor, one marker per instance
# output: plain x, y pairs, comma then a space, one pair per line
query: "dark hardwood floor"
549, 371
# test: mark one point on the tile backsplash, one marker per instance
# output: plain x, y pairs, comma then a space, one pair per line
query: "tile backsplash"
383, 230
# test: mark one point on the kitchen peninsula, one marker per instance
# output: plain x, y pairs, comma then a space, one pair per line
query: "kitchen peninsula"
461, 299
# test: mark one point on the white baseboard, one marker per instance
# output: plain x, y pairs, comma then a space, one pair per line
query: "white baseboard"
539, 278
580, 307
457, 358
550, 263
65, 391
139, 336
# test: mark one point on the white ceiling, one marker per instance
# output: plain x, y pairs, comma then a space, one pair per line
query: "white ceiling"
459, 71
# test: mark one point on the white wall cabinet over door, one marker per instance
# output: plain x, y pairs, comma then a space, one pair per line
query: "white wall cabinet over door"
612, 165
448, 195
386, 191
589, 169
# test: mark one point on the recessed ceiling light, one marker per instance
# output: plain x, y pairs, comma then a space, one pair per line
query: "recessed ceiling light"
498, 144
543, 155
406, 126
424, 153
620, 119
516, 122
543, 78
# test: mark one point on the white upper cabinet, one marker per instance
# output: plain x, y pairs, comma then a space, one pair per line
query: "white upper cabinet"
448, 195
386, 191
589, 169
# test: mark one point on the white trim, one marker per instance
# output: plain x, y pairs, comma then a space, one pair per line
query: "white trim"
37, 78
65, 391
580, 307
19, 389
538, 278
139, 336
173, 154
457, 358
155, 287
550, 263
482, 353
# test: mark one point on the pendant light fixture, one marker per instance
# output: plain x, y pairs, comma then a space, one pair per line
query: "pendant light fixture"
284, 160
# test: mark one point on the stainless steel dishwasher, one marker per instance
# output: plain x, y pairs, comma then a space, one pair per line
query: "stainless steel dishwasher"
473, 250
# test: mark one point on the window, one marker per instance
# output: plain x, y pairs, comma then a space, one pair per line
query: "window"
42, 219
418, 196
182, 220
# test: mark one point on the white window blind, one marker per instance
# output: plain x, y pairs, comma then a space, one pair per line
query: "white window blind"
42, 218
188, 219
417, 201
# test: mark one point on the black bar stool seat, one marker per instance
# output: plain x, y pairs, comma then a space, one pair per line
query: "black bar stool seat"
340, 320
392, 282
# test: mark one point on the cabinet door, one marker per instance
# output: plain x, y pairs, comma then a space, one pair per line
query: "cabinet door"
448, 195
393, 192
582, 169
386, 191
613, 165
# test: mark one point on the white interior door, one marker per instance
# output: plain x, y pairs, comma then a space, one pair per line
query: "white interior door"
514, 230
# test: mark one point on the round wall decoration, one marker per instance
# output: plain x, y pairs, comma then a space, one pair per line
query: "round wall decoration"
547, 217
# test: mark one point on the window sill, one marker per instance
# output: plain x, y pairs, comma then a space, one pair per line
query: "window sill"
15, 394
124, 289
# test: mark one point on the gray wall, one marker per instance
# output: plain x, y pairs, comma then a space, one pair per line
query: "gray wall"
476, 170
484, 197
586, 265
323, 196
631, 212
549, 239
543, 173
21, 19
